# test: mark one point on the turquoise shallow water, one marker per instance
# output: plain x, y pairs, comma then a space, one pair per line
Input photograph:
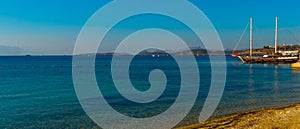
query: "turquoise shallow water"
38, 92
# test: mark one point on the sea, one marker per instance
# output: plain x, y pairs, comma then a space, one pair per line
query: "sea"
38, 91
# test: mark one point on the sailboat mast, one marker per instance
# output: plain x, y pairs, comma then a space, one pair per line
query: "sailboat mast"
251, 37
276, 35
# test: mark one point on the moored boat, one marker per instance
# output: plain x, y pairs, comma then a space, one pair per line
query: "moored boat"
278, 57
269, 60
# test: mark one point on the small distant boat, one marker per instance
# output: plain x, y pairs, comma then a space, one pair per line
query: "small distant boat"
153, 55
296, 65
27, 55
235, 54
285, 57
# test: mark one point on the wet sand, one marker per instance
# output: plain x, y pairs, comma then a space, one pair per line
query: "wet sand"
284, 117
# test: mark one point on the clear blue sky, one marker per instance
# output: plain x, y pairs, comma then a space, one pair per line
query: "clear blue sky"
52, 26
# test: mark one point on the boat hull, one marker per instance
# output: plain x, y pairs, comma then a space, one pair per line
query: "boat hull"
269, 60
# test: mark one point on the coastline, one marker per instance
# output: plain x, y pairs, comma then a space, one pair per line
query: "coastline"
284, 117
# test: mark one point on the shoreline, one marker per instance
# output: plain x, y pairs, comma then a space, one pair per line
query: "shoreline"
287, 116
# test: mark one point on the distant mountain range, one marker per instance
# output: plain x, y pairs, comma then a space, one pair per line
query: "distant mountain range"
194, 51
11, 50
198, 51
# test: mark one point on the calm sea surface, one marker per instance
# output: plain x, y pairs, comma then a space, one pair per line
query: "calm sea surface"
38, 92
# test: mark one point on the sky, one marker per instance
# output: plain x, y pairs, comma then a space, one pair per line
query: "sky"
52, 26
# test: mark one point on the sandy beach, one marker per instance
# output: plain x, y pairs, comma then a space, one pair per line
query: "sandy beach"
283, 117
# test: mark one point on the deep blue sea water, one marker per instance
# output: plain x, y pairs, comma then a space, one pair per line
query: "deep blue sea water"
38, 92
